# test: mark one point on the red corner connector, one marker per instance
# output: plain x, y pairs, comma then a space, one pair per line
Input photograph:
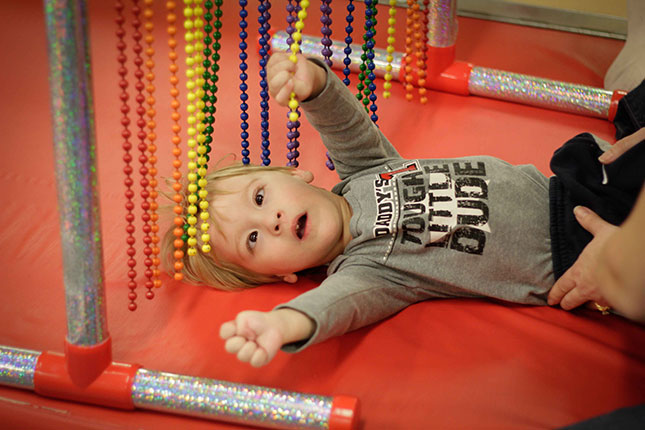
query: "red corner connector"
345, 413
442, 72
613, 105
84, 375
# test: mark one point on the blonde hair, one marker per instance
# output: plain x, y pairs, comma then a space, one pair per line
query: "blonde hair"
208, 268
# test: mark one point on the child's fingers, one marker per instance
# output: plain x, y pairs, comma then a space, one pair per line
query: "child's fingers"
227, 330
259, 358
246, 352
280, 86
234, 344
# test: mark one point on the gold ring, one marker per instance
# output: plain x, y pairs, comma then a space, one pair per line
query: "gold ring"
604, 309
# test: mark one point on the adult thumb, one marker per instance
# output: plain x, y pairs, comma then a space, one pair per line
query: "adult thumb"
589, 220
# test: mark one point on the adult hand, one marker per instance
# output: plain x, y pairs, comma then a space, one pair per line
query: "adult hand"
579, 284
621, 146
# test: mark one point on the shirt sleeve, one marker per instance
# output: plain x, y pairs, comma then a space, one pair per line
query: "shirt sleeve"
350, 299
354, 142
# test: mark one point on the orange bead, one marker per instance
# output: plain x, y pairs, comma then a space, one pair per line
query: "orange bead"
156, 261
178, 243
176, 151
177, 198
179, 265
179, 276
178, 221
179, 254
177, 187
176, 175
157, 283
178, 210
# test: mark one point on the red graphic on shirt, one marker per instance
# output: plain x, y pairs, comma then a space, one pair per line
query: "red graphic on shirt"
389, 175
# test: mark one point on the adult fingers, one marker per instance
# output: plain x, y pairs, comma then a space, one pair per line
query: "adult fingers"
574, 298
561, 287
590, 221
621, 146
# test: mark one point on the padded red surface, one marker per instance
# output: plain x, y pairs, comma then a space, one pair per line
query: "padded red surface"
441, 364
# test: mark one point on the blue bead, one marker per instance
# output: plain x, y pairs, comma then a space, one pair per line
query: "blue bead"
264, 104
244, 97
245, 153
264, 115
243, 66
243, 76
244, 116
245, 144
266, 161
244, 126
243, 46
243, 56
348, 50
266, 153
245, 160
244, 135
244, 106
244, 13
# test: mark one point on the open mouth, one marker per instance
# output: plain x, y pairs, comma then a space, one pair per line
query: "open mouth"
300, 226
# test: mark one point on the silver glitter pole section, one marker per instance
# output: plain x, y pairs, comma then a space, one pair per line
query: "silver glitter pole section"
229, 402
75, 156
17, 367
442, 23
311, 47
545, 93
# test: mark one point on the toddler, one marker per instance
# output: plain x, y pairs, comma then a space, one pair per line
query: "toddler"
395, 231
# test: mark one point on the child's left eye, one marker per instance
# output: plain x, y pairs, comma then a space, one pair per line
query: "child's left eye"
259, 197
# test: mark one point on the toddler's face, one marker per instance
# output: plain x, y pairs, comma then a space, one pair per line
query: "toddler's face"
276, 223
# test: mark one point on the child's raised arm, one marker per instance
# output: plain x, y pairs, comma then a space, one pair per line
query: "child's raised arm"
255, 337
304, 78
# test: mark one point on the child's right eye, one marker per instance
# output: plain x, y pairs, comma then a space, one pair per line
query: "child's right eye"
259, 197
252, 239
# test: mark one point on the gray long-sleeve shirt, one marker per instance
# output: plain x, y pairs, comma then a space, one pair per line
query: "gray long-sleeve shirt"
464, 227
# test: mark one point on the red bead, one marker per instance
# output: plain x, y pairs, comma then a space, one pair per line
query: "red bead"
132, 262
147, 262
131, 252
130, 240
131, 284
130, 229
132, 295
129, 206
127, 158
132, 274
132, 306
150, 294
147, 251
129, 194
129, 217
148, 273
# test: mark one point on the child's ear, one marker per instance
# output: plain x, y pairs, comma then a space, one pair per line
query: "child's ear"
305, 175
291, 278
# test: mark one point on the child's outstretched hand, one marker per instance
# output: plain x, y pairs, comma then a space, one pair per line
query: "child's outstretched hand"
256, 337
304, 78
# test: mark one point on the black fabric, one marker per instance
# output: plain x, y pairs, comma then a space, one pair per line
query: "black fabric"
579, 178
631, 418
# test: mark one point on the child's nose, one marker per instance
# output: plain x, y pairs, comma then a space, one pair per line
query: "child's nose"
277, 222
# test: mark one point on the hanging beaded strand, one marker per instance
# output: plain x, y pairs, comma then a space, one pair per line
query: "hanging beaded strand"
325, 19
265, 36
178, 198
127, 157
367, 87
347, 61
153, 271
391, 22
193, 36
409, 43
292, 134
421, 45
244, 116
142, 136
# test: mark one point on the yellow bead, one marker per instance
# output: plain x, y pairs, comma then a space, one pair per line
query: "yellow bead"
300, 25
204, 216
297, 37
304, 4
202, 193
192, 188
192, 252
206, 237
202, 171
293, 116
192, 209
192, 231
203, 205
386, 94
202, 161
191, 220
192, 241
387, 85
293, 58
202, 184
191, 142
192, 176
205, 226
206, 248
293, 104
391, 21
192, 198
